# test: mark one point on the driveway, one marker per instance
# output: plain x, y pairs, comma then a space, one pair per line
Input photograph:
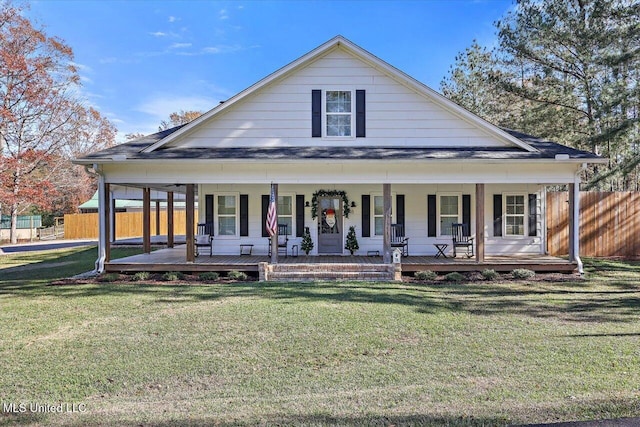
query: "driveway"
45, 246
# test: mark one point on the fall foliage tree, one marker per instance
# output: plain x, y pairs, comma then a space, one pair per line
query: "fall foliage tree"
179, 118
43, 122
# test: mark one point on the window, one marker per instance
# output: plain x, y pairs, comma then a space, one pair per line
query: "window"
378, 215
227, 215
514, 215
338, 110
285, 212
449, 213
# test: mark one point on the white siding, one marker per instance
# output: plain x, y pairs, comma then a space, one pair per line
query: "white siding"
280, 114
416, 217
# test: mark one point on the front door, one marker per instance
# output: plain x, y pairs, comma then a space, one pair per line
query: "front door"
329, 225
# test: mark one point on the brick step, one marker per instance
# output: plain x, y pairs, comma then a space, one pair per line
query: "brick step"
305, 276
315, 271
331, 267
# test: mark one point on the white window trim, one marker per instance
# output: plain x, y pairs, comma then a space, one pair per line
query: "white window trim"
439, 231
353, 113
293, 212
372, 208
525, 216
217, 216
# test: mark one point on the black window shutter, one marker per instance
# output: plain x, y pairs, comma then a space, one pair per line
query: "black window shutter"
466, 213
316, 113
533, 215
299, 215
360, 114
208, 206
400, 209
244, 214
366, 215
497, 215
265, 208
431, 215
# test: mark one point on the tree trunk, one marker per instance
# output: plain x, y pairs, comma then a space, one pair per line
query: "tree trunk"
13, 234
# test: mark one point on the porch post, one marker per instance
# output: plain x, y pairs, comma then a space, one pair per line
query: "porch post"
107, 216
574, 224
170, 219
190, 212
112, 225
146, 220
479, 223
157, 217
102, 221
386, 240
274, 238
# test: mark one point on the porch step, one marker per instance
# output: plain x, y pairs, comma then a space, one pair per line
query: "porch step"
328, 271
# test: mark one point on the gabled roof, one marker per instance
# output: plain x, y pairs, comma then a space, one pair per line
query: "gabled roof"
358, 52
135, 150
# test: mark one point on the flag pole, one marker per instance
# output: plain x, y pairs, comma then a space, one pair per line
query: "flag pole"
274, 231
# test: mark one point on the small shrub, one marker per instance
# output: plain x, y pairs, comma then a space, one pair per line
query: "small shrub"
425, 275
489, 274
171, 276
209, 276
141, 275
454, 277
237, 275
523, 273
109, 277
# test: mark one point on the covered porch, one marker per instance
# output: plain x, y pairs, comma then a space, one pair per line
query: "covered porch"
173, 259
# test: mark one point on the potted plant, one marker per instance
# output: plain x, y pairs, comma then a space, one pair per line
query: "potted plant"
307, 244
352, 241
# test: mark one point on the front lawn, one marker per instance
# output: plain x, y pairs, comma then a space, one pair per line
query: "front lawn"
482, 353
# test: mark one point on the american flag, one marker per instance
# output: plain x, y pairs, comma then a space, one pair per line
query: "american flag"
272, 217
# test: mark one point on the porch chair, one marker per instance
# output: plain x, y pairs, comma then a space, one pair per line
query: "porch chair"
204, 237
461, 239
398, 239
283, 240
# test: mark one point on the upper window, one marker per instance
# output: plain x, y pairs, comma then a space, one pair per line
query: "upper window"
339, 113
514, 215
227, 215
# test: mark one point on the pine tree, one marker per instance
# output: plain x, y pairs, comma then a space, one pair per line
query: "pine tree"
307, 244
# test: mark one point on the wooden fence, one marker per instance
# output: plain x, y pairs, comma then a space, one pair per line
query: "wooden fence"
609, 224
128, 224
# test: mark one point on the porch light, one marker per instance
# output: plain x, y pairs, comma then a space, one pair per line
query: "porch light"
353, 204
307, 205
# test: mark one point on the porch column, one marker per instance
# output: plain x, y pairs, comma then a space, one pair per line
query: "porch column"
479, 223
107, 217
157, 217
274, 238
190, 211
112, 225
386, 240
170, 219
574, 224
146, 220
102, 220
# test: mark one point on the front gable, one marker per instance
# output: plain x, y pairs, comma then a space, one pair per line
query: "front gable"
395, 110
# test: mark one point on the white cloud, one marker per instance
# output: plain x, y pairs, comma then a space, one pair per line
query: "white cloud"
221, 49
159, 34
161, 106
180, 45
223, 15
173, 19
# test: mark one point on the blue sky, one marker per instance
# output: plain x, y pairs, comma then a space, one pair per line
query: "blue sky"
141, 60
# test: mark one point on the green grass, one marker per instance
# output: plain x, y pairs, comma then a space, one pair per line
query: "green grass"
486, 353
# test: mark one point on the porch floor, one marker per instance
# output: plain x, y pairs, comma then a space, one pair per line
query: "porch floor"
173, 259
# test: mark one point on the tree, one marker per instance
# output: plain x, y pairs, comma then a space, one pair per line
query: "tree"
179, 118
352, 241
570, 69
42, 120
